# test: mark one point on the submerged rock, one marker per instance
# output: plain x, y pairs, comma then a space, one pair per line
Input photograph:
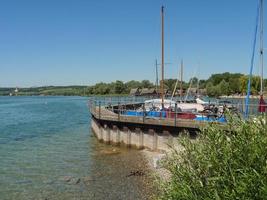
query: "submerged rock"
70, 180
110, 151
66, 178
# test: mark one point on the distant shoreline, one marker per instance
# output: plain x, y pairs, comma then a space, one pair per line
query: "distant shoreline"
242, 96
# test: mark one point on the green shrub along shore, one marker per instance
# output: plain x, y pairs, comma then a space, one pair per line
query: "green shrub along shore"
216, 85
219, 164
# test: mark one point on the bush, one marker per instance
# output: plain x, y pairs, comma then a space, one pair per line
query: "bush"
220, 164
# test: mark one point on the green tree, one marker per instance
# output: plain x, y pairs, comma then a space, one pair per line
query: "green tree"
119, 87
224, 88
146, 84
213, 91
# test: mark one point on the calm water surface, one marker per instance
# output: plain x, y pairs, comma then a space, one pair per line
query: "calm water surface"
48, 152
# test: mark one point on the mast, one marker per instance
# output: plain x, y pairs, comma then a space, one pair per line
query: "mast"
162, 56
157, 77
181, 80
261, 44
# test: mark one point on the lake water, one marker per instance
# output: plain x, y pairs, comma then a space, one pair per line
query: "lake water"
47, 151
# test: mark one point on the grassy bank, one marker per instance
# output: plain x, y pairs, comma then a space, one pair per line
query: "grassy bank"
220, 165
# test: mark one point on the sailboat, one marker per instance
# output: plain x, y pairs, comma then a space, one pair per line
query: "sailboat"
167, 107
162, 106
184, 105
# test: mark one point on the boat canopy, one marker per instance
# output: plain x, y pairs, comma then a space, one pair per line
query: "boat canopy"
157, 103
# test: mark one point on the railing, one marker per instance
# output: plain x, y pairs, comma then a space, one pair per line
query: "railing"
132, 109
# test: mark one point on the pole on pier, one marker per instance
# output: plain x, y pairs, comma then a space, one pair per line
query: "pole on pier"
144, 114
119, 111
162, 56
95, 105
99, 109
175, 114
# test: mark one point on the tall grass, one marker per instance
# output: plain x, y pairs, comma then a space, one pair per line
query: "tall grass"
220, 164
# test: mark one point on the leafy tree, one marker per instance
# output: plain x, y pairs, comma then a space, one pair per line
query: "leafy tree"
243, 84
133, 84
212, 90
194, 80
234, 84
146, 84
224, 88
119, 87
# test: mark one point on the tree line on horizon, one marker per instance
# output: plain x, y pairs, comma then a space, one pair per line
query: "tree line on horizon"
216, 85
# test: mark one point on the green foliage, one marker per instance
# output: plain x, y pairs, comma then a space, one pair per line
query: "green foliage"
119, 87
224, 88
194, 80
217, 85
215, 79
212, 90
220, 164
146, 84
255, 84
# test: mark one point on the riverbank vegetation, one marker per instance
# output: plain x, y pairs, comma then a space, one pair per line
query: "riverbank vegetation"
219, 164
216, 85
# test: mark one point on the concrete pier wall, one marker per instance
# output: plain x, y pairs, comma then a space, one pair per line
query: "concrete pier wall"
156, 140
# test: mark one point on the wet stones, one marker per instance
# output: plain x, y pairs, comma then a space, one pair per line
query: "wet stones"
75, 181
136, 173
70, 180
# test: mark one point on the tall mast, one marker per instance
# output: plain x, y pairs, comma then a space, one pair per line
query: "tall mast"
261, 44
162, 56
181, 80
157, 77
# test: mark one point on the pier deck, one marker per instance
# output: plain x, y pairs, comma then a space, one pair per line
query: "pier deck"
104, 114
110, 125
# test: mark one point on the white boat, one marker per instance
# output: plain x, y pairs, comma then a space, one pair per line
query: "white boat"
157, 104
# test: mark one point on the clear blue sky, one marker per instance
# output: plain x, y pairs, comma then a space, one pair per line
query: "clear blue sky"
68, 42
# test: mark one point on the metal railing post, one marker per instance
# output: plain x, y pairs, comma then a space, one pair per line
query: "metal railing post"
99, 109
119, 111
95, 107
175, 114
143, 113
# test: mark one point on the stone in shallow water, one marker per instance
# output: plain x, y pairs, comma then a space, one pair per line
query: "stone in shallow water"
66, 178
70, 179
110, 152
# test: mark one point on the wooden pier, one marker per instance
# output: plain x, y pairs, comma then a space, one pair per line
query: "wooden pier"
102, 113
110, 125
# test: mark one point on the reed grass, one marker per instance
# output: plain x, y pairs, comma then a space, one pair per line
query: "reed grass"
219, 164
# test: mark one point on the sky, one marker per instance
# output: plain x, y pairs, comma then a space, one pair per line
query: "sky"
82, 42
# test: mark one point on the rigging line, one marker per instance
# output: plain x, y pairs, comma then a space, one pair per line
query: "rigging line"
190, 85
251, 64
173, 93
